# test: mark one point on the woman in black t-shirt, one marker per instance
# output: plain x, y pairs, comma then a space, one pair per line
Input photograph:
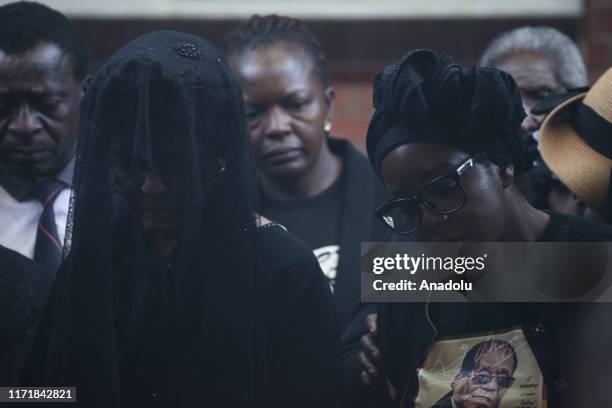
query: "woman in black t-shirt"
319, 187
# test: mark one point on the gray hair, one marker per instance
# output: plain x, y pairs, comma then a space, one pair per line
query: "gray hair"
562, 51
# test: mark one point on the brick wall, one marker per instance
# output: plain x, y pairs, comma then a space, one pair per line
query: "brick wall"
598, 36
352, 66
358, 49
352, 110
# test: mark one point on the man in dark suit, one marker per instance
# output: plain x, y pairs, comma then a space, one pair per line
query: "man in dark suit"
43, 71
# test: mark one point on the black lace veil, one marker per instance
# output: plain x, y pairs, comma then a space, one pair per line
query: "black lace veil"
173, 87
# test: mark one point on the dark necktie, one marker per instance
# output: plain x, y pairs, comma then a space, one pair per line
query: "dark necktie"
48, 248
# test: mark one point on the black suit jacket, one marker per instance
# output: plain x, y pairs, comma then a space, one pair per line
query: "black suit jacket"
444, 402
23, 291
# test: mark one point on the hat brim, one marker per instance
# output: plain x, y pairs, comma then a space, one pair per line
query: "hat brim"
585, 171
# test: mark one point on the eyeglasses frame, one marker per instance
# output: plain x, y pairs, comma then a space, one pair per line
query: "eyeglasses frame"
457, 173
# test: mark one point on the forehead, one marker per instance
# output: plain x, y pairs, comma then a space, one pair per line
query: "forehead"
408, 166
496, 359
274, 70
530, 70
41, 68
162, 117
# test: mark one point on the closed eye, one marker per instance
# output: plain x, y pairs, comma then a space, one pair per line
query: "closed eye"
253, 112
295, 104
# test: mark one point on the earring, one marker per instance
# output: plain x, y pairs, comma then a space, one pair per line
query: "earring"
222, 165
445, 217
327, 127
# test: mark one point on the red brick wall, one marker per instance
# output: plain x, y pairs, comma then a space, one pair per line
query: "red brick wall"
598, 36
358, 49
352, 111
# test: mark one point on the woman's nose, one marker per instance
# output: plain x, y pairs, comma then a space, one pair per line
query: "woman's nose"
152, 183
432, 224
278, 123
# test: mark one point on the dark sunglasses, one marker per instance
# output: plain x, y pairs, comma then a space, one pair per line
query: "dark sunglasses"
484, 377
443, 195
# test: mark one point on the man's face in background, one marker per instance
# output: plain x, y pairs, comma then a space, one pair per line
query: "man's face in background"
487, 384
39, 110
535, 76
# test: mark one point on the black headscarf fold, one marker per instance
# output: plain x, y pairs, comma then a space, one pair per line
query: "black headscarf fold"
608, 209
428, 97
211, 327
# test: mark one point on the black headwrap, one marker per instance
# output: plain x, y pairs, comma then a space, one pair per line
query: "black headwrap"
200, 317
427, 97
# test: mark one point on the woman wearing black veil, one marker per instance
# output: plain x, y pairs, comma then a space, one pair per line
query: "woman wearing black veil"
172, 293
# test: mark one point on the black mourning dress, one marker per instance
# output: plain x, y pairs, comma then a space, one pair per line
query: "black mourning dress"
234, 315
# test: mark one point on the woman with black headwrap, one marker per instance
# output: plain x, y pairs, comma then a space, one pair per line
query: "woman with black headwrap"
173, 294
446, 142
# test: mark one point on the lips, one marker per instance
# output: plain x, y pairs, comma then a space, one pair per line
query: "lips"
28, 155
480, 400
283, 155
157, 214
156, 208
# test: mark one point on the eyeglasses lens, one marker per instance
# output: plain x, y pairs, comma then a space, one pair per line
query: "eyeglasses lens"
402, 217
503, 381
444, 195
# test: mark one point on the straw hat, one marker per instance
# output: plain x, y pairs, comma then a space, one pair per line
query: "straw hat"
582, 161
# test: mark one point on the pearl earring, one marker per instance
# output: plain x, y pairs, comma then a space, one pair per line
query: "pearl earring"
222, 165
327, 127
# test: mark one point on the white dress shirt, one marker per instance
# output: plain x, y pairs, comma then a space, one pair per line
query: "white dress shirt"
19, 219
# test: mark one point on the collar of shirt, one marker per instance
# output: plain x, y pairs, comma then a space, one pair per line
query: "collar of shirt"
19, 187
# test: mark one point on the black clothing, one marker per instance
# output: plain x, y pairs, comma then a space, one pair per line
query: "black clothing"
303, 357
569, 228
23, 290
299, 319
608, 208
535, 184
357, 194
163, 151
538, 182
444, 402
317, 222
407, 330
428, 97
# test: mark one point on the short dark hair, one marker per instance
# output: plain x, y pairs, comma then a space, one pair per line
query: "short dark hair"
264, 31
25, 24
473, 356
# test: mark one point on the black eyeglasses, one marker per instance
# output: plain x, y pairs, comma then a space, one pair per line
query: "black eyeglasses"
485, 377
443, 195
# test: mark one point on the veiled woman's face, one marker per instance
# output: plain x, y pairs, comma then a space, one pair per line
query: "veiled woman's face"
480, 217
155, 190
163, 184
